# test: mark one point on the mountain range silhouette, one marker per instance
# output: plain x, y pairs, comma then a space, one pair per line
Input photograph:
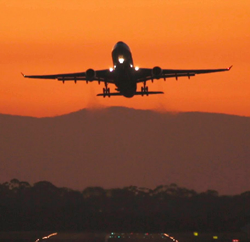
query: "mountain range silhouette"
117, 147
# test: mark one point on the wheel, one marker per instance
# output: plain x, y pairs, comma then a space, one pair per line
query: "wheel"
104, 92
142, 91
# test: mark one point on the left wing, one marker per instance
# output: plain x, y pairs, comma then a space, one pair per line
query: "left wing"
144, 74
90, 75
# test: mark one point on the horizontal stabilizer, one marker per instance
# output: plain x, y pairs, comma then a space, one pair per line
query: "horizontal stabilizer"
110, 94
136, 93
148, 93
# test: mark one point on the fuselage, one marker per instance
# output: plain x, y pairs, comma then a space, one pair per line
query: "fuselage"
124, 71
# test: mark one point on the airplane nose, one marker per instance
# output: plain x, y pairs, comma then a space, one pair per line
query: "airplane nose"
121, 44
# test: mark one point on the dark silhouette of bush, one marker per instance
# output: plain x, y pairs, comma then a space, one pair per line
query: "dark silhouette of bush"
43, 206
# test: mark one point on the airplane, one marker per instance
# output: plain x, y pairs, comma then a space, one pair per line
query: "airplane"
124, 75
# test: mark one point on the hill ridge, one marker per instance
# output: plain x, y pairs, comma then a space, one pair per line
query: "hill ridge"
117, 147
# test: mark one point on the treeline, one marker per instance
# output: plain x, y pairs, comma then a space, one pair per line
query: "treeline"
43, 206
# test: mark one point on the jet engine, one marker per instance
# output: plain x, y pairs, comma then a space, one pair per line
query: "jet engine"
156, 72
90, 74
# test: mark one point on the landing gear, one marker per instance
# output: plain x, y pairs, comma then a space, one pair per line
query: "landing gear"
106, 90
144, 89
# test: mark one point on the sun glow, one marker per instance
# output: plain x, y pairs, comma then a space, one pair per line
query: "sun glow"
45, 39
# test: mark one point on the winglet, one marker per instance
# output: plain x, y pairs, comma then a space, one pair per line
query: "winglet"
229, 68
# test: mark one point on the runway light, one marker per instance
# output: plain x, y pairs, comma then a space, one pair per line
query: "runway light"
137, 68
196, 233
215, 237
111, 69
47, 237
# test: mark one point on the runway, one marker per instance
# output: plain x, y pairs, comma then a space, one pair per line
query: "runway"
38, 236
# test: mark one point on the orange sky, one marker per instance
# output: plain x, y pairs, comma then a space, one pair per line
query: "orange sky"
46, 37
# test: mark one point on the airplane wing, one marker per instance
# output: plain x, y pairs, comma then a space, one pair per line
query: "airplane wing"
145, 74
90, 75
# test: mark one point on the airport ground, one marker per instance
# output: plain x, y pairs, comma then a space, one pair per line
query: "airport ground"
32, 236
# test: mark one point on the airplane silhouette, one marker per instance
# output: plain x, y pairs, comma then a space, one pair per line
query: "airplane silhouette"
124, 75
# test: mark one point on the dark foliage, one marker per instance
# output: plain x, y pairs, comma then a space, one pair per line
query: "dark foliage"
44, 206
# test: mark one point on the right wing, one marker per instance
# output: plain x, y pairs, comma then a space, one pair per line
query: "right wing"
145, 74
99, 75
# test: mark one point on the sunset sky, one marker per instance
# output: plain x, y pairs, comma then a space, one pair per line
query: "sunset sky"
60, 36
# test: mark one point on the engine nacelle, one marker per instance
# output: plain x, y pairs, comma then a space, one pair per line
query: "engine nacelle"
90, 75
156, 72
